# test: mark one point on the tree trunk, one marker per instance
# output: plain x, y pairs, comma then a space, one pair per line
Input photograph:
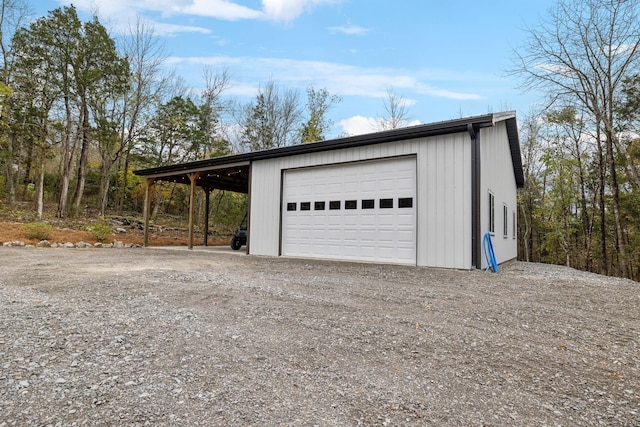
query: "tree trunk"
28, 162
125, 181
68, 154
104, 190
10, 175
84, 156
613, 178
604, 264
586, 226
40, 187
159, 186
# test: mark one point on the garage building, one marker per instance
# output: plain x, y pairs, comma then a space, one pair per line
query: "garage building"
422, 195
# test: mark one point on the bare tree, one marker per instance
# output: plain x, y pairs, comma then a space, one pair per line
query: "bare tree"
211, 109
580, 55
396, 112
271, 119
148, 83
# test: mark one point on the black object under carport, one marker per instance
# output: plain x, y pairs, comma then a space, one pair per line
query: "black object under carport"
239, 239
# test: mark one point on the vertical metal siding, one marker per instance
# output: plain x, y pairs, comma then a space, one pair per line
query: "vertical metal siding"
443, 195
444, 199
265, 208
498, 176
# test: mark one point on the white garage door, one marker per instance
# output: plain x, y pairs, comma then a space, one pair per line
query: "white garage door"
356, 211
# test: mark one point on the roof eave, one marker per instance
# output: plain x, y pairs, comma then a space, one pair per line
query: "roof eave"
419, 131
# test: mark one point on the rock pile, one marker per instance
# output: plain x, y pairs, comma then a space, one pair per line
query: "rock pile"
81, 245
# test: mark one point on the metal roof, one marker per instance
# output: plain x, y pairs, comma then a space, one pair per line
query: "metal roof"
231, 172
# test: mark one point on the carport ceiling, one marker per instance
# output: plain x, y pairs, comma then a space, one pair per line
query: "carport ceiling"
234, 178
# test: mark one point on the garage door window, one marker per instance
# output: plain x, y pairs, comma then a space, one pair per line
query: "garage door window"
386, 203
291, 206
368, 204
305, 206
334, 205
405, 202
318, 206
351, 204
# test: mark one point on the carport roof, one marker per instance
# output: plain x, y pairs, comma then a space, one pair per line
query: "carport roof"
232, 172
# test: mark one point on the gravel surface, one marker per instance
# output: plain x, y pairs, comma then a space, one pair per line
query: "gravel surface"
161, 337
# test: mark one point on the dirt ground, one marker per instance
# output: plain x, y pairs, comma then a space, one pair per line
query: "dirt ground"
13, 231
172, 337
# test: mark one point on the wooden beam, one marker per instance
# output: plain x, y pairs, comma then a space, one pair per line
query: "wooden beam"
193, 177
207, 194
147, 209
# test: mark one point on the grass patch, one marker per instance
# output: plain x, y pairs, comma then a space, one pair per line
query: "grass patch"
37, 230
99, 232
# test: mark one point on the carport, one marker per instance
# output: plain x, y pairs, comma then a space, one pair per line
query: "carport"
231, 173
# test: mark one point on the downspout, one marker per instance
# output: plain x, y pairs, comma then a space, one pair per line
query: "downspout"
249, 207
476, 240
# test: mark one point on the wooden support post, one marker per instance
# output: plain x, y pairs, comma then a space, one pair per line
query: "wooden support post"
193, 177
207, 194
147, 209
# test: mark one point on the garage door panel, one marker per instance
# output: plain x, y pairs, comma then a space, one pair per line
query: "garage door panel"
378, 234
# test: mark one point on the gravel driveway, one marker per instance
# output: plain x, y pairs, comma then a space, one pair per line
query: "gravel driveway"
128, 337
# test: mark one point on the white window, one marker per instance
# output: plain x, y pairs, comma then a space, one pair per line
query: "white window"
492, 213
505, 218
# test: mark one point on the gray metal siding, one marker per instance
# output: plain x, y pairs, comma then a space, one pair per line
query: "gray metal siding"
443, 195
498, 177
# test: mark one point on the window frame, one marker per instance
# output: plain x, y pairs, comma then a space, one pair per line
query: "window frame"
492, 213
505, 218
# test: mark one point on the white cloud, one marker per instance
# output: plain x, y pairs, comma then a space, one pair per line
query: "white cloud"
288, 10
358, 125
350, 30
121, 11
220, 9
341, 79
162, 29
283, 10
426, 89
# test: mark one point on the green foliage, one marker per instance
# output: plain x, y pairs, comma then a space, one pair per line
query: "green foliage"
37, 230
318, 104
100, 232
174, 135
133, 197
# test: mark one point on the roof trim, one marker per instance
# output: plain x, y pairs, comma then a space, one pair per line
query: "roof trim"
412, 132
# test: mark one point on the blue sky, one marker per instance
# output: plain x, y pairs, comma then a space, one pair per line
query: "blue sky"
447, 59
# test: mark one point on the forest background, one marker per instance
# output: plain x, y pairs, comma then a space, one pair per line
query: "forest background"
80, 110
